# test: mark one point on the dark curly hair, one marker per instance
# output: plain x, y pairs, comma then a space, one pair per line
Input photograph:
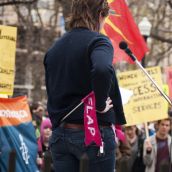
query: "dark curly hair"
85, 13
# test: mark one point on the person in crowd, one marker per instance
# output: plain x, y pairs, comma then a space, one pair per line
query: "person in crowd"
135, 139
170, 116
77, 64
157, 148
37, 111
123, 153
43, 142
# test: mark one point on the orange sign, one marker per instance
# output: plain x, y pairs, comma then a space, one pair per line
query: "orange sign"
14, 111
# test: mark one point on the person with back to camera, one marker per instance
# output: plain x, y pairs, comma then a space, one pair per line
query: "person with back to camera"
78, 63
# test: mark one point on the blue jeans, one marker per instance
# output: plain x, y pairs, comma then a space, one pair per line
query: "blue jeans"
67, 146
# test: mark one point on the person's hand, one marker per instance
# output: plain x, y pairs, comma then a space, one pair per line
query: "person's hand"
39, 161
148, 145
109, 105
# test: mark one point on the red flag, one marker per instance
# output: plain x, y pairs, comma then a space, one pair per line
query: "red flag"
121, 27
92, 133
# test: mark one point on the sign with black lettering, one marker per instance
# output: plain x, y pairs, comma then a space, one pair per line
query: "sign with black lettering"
146, 104
8, 36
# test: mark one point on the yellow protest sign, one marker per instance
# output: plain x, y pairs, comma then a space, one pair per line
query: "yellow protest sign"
146, 104
8, 36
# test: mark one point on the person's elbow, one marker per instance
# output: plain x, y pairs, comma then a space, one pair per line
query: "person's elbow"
102, 70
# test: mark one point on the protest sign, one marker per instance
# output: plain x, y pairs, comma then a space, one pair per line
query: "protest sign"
17, 133
146, 103
7, 58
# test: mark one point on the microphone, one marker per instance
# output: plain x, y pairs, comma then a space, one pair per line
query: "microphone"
123, 46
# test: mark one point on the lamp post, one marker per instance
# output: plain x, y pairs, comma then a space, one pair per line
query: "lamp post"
145, 29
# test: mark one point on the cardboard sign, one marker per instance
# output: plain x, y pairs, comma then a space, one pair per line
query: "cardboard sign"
7, 58
146, 104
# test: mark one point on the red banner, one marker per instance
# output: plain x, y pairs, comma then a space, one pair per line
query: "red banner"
122, 27
92, 133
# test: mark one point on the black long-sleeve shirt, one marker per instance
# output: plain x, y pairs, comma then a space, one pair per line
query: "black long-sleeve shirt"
79, 62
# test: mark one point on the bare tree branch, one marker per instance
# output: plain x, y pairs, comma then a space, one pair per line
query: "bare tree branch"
170, 3
161, 38
39, 16
21, 18
164, 30
160, 56
14, 2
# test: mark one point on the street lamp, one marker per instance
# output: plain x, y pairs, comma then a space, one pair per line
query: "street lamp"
145, 29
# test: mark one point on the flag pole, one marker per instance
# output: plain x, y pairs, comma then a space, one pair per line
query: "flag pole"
72, 111
146, 130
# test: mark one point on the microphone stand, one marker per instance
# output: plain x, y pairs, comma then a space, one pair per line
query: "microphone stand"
124, 46
164, 95
155, 84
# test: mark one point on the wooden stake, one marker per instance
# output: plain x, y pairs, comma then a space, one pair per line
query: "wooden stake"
146, 130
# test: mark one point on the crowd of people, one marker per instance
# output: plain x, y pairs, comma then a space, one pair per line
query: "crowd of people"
134, 154
77, 65
141, 154
43, 131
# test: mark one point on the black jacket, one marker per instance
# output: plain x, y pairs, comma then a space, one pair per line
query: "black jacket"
79, 62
